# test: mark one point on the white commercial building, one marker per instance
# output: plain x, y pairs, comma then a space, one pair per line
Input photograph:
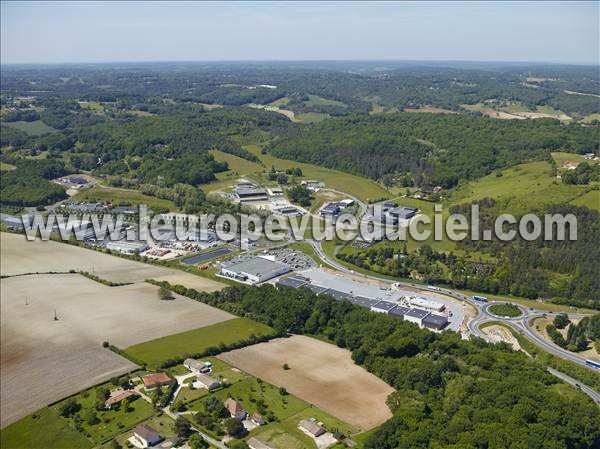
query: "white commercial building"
253, 270
425, 303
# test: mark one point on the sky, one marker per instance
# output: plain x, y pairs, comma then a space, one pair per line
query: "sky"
59, 32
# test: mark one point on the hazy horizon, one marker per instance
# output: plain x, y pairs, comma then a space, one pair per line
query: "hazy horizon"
137, 32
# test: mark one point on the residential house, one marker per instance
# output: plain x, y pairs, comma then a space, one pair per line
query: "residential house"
204, 381
146, 435
116, 398
156, 380
235, 409
311, 428
196, 366
255, 443
257, 419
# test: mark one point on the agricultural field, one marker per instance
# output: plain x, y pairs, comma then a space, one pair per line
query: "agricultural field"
20, 256
321, 374
44, 359
35, 128
195, 341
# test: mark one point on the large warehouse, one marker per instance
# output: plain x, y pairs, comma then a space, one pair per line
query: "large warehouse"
253, 270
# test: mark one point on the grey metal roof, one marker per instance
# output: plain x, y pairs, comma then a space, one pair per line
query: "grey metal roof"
417, 313
258, 266
384, 305
399, 311
362, 301
317, 289
292, 281
435, 320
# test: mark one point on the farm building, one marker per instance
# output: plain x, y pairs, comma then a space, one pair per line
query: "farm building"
416, 316
382, 307
427, 304
347, 202
156, 380
116, 398
235, 409
311, 428
275, 191
146, 436
204, 381
196, 366
255, 443
435, 322
253, 270
126, 247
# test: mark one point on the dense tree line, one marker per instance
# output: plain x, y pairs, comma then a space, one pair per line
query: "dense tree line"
434, 149
28, 184
584, 173
449, 392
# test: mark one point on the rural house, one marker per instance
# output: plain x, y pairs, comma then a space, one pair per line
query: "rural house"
196, 366
156, 380
116, 398
257, 419
235, 409
146, 436
204, 381
255, 443
311, 428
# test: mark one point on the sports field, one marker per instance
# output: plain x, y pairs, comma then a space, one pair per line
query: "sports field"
321, 374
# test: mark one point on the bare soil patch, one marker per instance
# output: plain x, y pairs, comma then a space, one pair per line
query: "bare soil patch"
321, 374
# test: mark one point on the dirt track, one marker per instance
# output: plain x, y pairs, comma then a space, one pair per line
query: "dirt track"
320, 373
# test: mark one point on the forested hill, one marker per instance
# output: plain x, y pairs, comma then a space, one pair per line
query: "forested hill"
451, 393
437, 149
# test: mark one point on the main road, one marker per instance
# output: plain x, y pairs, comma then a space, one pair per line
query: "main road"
522, 323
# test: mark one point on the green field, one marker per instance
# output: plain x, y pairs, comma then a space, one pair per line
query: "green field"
525, 187
124, 197
236, 164
35, 128
357, 186
6, 167
44, 429
196, 341
590, 199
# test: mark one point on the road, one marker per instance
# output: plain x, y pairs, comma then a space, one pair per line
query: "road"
521, 323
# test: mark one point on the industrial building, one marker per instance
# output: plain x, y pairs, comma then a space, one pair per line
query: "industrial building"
416, 316
331, 209
253, 270
399, 311
427, 304
435, 322
128, 247
291, 281
249, 192
383, 307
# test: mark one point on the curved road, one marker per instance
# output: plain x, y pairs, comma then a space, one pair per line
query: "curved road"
521, 323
